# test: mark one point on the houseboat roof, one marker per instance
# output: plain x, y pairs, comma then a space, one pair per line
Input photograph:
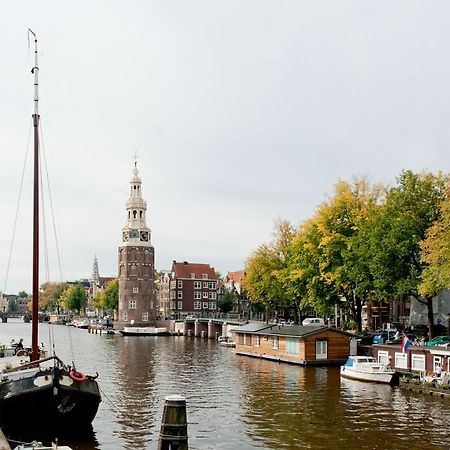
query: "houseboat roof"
287, 330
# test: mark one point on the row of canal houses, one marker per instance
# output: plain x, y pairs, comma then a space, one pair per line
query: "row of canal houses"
327, 346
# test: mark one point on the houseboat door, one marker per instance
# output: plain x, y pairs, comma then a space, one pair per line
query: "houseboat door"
321, 349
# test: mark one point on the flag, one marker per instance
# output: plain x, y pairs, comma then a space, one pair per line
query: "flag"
405, 343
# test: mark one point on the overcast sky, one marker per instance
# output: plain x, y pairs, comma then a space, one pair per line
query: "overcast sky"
241, 112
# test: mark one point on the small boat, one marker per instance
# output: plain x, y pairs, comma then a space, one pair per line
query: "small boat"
35, 445
366, 368
38, 392
144, 331
226, 341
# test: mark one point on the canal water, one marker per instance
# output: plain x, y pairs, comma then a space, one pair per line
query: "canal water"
235, 402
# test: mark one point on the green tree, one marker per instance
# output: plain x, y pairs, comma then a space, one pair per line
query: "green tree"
435, 255
111, 296
50, 296
395, 232
75, 298
12, 306
226, 300
22, 294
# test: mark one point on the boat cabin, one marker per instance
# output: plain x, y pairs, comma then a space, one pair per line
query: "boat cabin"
306, 345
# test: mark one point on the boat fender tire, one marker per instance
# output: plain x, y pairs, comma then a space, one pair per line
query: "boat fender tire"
77, 376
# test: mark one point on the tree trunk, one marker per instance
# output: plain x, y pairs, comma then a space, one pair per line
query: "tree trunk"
431, 328
358, 314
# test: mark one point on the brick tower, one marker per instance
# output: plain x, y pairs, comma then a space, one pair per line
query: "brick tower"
136, 263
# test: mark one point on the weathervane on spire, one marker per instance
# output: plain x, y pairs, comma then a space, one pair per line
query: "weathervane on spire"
135, 162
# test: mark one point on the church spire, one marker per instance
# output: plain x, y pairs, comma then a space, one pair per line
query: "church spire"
95, 274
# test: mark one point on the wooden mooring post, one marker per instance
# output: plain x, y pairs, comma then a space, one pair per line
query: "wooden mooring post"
173, 434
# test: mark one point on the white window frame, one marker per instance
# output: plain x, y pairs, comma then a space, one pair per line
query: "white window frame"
180, 305
383, 357
192, 276
197, 284
135, 290
180, 295
257, 340
418, 362
125, 316
212, 285
212, 305
248, 339
132, 304
197, 295
275, 343
437, 360
205, 294
205, 285
292, 346
322, 349
145, 317
401, 360
173, 305
212, 295
204, 276
205, 305
197, 305
180, 284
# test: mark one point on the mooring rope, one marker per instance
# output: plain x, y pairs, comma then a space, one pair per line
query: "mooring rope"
111, 403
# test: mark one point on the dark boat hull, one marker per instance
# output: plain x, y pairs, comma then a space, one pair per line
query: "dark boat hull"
47, 399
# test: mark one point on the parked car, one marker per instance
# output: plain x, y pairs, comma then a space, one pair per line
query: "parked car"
384, 336
439, 340
313, 321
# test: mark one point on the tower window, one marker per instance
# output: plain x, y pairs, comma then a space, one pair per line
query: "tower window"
140, 214
134, 214
129, 215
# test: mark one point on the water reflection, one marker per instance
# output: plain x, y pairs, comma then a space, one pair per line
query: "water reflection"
236, 402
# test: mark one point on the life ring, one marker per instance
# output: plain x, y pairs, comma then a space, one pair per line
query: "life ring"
77, 376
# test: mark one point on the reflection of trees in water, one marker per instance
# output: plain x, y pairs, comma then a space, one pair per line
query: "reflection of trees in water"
136, 393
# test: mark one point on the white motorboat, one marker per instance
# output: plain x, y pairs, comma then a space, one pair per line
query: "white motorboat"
144, 331
366, 368
226, 341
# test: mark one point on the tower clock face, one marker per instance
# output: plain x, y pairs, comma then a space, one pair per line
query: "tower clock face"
144, 236
125, 236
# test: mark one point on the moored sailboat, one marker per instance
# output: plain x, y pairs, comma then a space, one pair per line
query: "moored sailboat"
44, 393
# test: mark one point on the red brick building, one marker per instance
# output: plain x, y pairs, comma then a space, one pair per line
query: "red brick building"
193, 290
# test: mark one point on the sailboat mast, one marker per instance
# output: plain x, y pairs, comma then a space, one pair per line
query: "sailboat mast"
35, 302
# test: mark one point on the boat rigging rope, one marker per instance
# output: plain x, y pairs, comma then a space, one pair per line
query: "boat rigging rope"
111, 403
17, 209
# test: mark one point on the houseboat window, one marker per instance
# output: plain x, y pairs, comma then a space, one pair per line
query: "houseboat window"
248, 339
240, 338
418, 363
275, 342
383, 357
257, 340
401, 361
321, 349
436, 360
292, 346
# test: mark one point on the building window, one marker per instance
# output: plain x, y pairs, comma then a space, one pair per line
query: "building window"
275, 342
197, 305
383, 357
257, 340
180, 294
180, 284
240, 338
205, 285
205, 295
197, 295
205, 305
180, 305
204, 276
172, 305
132, 304
192, 275
418, 362
248, 339
135, 290
212, 285
321, 349
401, 361
197, 284
125, 316
292, 346
145, 317
212, 295
212, 305
173, 284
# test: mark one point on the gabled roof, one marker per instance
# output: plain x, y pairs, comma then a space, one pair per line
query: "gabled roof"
280, 330
236, 277
185, 269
